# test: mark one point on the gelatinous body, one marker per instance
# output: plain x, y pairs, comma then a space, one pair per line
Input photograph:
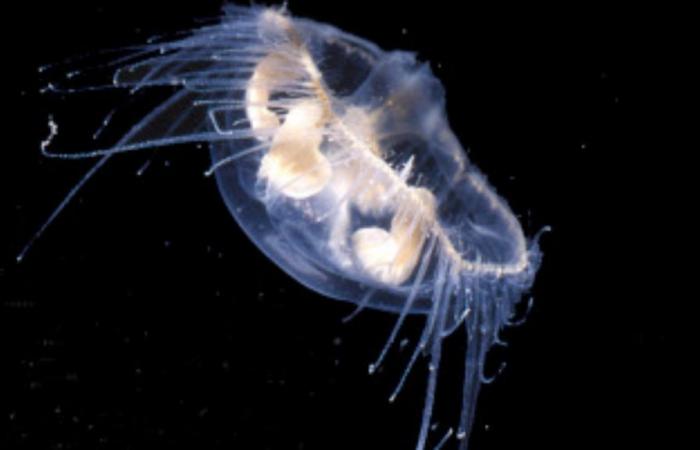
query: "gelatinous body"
337, 160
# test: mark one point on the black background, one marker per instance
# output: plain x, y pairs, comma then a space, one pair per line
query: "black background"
144, 319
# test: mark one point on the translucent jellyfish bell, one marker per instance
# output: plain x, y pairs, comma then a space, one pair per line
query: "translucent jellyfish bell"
336, 158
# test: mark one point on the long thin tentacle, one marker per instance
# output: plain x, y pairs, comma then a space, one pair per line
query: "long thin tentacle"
440, 296
85, 178
408, 305
433, 369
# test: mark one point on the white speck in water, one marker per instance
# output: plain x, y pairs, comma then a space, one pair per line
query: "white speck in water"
143, 168
48, 88
103, 126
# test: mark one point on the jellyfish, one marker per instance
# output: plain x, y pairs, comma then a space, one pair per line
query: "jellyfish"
337, 160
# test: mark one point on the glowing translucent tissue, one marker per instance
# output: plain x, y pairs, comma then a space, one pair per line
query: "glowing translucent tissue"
337, 160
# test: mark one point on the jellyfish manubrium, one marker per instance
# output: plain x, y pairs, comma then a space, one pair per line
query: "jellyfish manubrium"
336, 158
